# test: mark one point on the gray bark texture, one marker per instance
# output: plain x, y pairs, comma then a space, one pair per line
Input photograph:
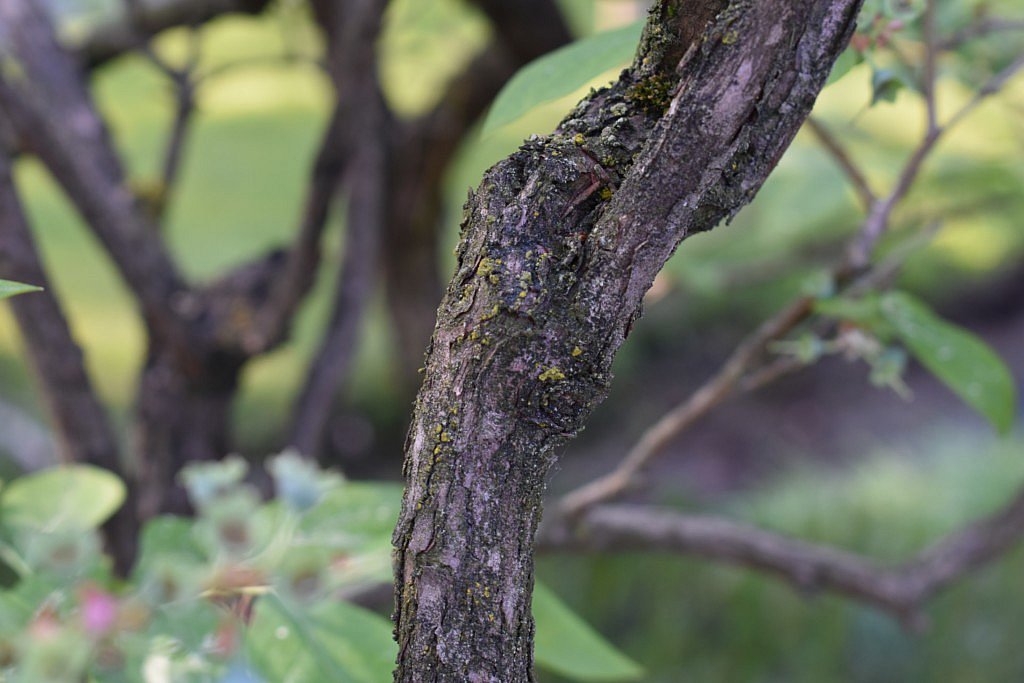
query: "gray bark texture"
559, 244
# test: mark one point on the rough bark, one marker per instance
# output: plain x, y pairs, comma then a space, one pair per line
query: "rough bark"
423, 149
559, 244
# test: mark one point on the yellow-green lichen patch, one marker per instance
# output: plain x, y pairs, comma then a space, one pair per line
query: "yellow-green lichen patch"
552, 374
487, 266
653, 94
492, 314
577, 352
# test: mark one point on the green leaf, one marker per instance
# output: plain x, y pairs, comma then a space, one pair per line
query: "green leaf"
846, 61
361, 512
566, 645
961, 360
864, 312
885, 84
355, 521
166, 539
332, 641
65, 499
9, 289
559, 73
298, 481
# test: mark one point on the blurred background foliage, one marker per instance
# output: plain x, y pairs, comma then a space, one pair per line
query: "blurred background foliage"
245, 168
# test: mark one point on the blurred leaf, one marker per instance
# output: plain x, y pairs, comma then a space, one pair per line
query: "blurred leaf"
847, 60
163, 540
9, 289
362, 512
864, 312
561, 72
22, 601
65, 499
887, 369
239, 672
885, 84
332, 641
569, 647
965, 363
354, 523
904, 10
807, 348
298, 481
206, 481
66, 552
868, 11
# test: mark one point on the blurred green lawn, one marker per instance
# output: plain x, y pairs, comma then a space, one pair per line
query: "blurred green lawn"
248, 154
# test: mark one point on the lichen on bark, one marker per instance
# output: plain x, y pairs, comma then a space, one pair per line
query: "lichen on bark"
558, 244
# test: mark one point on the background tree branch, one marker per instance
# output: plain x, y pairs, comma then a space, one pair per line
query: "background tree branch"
901, 590
134, 29
83, 429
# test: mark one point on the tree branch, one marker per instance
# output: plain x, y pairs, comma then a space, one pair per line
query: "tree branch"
134, 29
51, 111
85, 434
980, 29
902, 590
844, 161
362, 120
356, 279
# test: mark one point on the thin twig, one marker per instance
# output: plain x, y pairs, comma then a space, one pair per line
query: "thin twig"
730, 379
183, 111
684, 416
991, 87
881, 211
980, 29
844, 160
931, 54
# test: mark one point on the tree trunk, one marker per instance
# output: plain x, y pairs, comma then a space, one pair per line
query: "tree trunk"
183, 415
559, 244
